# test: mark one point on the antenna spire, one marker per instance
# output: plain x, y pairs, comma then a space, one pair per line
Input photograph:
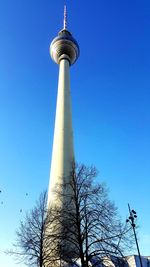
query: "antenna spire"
65, 17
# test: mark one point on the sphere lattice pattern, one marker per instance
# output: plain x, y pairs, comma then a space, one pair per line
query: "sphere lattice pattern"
64, 45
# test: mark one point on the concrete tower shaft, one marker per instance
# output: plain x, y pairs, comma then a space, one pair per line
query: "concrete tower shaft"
63, 152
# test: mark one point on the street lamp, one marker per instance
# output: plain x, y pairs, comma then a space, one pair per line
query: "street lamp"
131, 220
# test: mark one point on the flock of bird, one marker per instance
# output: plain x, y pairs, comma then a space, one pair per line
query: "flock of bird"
3, 202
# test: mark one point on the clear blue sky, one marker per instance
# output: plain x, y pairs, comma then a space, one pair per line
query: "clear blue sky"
110, 87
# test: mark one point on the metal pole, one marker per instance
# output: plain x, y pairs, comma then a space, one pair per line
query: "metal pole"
133, 226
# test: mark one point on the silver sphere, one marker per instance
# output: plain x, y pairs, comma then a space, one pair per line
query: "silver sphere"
64, 46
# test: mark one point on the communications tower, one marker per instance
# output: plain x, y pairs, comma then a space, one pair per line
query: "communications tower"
64, 51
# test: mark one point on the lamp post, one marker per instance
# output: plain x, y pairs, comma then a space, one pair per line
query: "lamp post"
131, 220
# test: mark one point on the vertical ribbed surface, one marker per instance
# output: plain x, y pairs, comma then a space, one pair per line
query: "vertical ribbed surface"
62, 154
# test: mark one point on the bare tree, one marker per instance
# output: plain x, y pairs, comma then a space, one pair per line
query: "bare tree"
90, 220
86, 226
33, 243
37, 243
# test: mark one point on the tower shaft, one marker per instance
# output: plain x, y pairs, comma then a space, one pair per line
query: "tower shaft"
63, 152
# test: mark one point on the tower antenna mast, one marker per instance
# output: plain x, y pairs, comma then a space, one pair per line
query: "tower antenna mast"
65, 17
